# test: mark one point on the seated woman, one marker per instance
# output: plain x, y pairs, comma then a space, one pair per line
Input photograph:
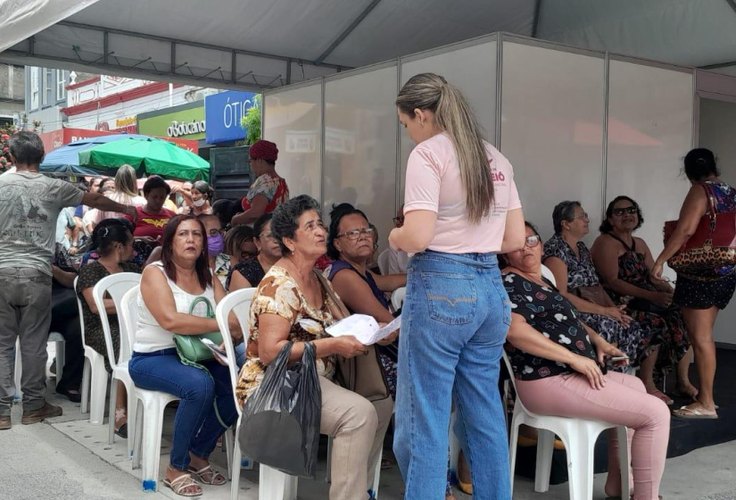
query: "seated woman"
201, 199
114, 243
569, 260
556, 360
350, 244
249, 272
152, 217
290, 293
168, 288
624, 263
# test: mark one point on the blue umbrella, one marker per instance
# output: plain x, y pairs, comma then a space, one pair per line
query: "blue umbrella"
65, 159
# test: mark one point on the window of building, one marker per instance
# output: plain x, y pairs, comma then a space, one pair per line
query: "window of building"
35, 87
60, 85
48, 86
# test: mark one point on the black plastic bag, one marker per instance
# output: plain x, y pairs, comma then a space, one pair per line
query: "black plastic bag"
281, 418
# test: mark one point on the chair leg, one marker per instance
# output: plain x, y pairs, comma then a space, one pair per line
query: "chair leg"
98, 389
328, 469
138, 439
275, 485
60, 359
513, 440
580, 464
152, 428
228, 437
624, 460
132, 407
376, 477
234, 471
86, 382
545, 448
111, 410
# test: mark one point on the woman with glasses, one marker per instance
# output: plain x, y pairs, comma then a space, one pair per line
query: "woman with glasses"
250, 271
268, 190
624, 264
560, 366
569, 259
461, 207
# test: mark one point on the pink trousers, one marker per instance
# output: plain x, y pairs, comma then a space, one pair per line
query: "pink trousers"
622, 401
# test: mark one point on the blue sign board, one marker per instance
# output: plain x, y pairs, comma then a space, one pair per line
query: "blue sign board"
223, 113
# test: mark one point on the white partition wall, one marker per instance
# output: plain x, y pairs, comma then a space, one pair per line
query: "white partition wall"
476, 80
552, 115
292, 118
360, 144
650, 116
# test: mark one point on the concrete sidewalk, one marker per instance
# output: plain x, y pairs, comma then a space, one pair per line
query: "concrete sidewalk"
68, 458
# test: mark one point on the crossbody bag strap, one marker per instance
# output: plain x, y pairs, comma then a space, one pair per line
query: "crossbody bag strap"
335, 305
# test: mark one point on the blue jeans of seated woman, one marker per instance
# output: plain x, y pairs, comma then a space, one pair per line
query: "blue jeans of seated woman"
206, 400
455, 319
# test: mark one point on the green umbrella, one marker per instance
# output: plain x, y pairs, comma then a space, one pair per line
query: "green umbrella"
149, 156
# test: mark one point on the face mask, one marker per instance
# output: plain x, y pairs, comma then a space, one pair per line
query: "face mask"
198, 203
215, 245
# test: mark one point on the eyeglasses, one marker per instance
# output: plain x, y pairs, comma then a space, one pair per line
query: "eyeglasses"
533, 240
624, 210
398, 220
583, 216
355, 234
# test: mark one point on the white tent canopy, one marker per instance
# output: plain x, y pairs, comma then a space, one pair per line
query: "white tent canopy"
254, 44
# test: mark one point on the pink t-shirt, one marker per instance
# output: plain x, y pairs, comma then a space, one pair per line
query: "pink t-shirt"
433, 183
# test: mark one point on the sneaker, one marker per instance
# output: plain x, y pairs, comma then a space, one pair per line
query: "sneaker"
5, 422
46, 411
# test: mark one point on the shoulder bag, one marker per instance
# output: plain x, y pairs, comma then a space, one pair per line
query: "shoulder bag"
190, 347
712, 246
360, 374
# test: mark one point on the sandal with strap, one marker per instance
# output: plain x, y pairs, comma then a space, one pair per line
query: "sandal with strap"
695, 411
208, 475
184, 486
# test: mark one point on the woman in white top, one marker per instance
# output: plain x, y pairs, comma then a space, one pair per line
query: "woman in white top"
461, 208
125, 192
207, 409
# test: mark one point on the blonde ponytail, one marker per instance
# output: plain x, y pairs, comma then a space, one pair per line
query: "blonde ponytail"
454, 116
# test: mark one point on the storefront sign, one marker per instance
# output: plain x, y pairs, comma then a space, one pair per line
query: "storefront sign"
224, 112
56, 138
186, 121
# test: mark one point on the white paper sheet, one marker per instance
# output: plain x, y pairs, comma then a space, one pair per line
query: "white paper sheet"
364, 328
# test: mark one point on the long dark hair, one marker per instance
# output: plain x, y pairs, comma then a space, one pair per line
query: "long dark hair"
202, 267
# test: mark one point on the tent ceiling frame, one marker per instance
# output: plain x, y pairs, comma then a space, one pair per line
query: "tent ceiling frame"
535, 21
342, 36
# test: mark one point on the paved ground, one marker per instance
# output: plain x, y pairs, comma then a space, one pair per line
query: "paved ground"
68, 458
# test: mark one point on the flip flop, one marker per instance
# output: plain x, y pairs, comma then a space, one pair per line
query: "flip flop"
661, 395
693, 413
215, 478
181, 483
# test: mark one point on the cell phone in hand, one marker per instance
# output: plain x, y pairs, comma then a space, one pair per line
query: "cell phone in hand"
614, 361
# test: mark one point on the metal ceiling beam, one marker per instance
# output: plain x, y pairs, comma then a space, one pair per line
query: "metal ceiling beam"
732, 4
719, 65
347, 32
208, 46
535, 22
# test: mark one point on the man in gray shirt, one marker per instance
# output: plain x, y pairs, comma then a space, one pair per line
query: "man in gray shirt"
29, 207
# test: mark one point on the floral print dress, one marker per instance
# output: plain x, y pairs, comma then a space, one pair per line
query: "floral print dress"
279, 294
635, 340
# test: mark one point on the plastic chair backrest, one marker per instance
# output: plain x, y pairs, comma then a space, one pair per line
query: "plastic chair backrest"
513, 383
383, 261
79, 308
237, 302
397, 298
116, 285
547, 273
128, 317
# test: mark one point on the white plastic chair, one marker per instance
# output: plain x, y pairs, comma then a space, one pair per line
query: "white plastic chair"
59, 347
116, 285
547, 273
149, 416
383, 261
397, 298
578, 436
94, 376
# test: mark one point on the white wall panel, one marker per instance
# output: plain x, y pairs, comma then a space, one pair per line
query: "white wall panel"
472, 69
360, 145
552, 129
650, 114
293, 120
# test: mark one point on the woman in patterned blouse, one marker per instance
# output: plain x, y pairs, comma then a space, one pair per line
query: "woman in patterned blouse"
557, 359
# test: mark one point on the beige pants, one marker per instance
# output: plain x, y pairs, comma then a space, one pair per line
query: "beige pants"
357, 427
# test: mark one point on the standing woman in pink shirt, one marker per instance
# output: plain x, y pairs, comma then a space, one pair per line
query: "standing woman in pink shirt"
461, 208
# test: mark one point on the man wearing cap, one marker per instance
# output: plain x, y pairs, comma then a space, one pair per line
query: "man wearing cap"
269, 190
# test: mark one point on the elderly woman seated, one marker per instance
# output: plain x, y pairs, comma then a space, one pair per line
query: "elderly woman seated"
350, 244
293, 304
249, 272
557, 362
167, 291
624, 262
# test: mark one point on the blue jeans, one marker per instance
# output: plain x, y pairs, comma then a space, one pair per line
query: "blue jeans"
206, 409
455, 319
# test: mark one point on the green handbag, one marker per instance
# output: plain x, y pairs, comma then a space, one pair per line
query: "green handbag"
190, 347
